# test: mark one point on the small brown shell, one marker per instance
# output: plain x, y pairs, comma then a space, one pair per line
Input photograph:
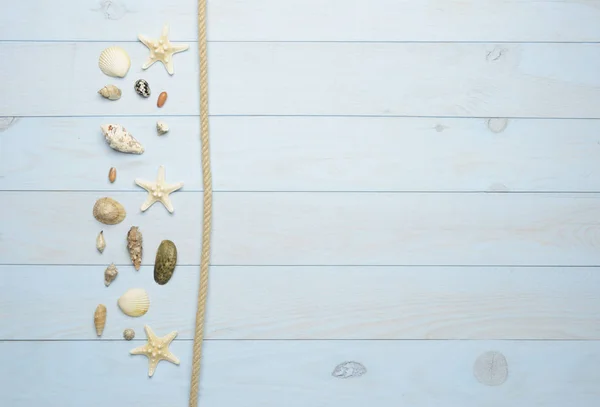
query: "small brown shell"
164, 264
128, 334
112, 174
100, 319
108, 211
162, 98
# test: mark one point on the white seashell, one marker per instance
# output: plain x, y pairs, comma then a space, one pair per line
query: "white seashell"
161, 127
100, 243
110, 274
111, 92
115, 62
134, 302
118, 138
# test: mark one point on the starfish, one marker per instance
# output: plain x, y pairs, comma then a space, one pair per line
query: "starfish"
161, 50
156, 349
158, 191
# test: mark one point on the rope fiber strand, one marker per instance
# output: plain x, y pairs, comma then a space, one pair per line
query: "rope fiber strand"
206, 209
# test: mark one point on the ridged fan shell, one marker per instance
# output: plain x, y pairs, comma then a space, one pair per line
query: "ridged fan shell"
115, 62
109, 211
134, 302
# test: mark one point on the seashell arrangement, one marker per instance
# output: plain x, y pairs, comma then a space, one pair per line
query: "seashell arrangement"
108, 211
110, 274
112, 174
110, 92
162, 98
134, 245
166, 259
119, 139
128, 334
114, 61
100, 243
134, 302
142, 88
162, 128
100, 319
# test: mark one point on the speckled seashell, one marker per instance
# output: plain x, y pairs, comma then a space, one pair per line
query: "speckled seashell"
100, 319
100, 242
134, 302
119, 139
110, 92
128, 334
162, 127
134, 245
166, 259
110, 274
109, 211
142, 88
115, 62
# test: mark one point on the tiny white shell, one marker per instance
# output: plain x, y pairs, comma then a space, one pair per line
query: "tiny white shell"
115, 62
161, 127
100, 242
134, 302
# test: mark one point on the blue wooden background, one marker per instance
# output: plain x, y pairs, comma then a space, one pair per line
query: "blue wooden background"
403, 184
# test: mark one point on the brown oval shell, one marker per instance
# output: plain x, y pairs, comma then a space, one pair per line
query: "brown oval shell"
166, 259
108, 211
112, 174
162, 98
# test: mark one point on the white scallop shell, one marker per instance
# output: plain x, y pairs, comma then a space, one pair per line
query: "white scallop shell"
114, 61
134, 302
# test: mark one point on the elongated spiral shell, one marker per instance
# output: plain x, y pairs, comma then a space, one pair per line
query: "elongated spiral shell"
100, 319
108, 211
100, 242
134, 302
134, 245
115, 62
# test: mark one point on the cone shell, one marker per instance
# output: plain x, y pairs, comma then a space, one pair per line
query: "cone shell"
119, 139
110, 274
134, 302
108, 211
115, 62
100, 319
134, 245
166, 259
111, 92
100, 242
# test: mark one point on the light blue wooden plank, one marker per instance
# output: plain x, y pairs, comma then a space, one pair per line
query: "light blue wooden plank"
310, 302
392, 79
308, 20
312, 228
299, 374
310, 154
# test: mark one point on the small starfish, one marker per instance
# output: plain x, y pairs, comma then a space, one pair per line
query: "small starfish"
158, 191
161, 50
156, 349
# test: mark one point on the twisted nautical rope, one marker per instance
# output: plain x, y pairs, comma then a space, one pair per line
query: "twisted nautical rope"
207, 206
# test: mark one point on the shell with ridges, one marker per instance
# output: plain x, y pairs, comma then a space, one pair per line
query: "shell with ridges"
134, 245
134, 302
119, 139
110, 92
100, 319
108, 211
128, 334
110, 274
100, 242
115, 62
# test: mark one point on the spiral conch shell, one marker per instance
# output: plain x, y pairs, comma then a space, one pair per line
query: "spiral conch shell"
100, 319
110, 274
134, 245
115, 62
119, 139
111, 92
134, 302
108, 211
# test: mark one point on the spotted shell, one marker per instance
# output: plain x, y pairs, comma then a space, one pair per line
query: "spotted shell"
134, 302
108, 211
164, 264
100, 319
128, 334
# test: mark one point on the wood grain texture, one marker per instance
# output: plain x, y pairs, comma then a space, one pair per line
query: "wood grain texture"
392, 79
311, 154
269, 373
314, 228
310, 302
308, 20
